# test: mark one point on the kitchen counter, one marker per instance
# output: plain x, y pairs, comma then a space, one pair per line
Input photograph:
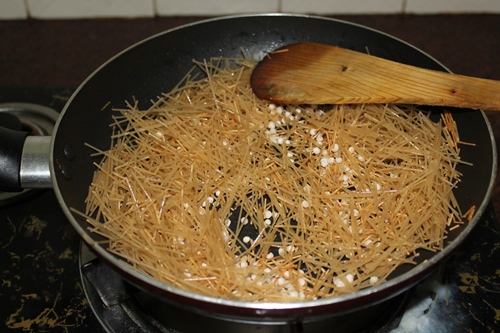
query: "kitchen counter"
56, 56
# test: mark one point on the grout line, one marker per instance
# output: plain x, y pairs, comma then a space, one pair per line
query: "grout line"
27, 8
155, 8
404, 6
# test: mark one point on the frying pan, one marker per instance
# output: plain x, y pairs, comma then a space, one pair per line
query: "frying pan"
156, 65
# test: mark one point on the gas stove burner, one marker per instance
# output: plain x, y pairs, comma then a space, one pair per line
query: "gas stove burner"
123, 308
37, 120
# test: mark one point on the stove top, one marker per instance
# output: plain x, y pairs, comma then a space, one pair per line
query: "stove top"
48, 277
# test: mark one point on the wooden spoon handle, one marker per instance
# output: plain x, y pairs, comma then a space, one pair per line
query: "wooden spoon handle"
310, 73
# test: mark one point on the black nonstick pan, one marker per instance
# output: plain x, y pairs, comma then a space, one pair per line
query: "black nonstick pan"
156, 65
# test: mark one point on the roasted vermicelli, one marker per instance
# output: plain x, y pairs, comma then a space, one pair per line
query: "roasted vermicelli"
214, 191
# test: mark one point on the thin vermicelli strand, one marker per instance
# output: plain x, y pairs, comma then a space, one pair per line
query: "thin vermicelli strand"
217, 192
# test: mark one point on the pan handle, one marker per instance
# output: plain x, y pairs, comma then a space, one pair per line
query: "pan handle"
11, 148
24, 161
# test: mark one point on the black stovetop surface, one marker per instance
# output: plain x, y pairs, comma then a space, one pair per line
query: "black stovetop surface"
41, 289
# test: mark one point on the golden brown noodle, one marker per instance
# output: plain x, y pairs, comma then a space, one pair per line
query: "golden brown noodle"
219, 193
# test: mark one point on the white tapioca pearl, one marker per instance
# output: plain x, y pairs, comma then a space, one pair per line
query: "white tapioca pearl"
338, 282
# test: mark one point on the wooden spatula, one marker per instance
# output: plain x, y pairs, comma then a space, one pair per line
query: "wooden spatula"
310, 73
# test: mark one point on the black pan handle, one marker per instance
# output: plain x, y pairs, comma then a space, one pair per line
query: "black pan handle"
11, 153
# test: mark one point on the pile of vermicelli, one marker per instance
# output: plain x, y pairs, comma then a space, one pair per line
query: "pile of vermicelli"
216, 192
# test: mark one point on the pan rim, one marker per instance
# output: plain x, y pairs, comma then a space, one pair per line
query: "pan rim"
419, 270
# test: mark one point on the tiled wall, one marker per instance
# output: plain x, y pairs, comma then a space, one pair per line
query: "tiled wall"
73, 9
